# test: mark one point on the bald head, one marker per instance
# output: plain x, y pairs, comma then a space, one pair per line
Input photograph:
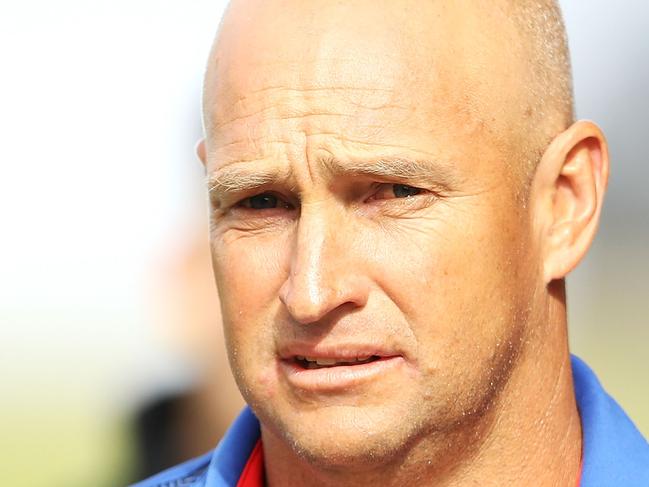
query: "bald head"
499, 67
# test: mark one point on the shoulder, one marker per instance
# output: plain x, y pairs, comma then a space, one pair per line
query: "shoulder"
614, 451
219, 468
191, 473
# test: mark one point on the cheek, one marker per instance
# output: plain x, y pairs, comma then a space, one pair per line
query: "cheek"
249, 273
458, 284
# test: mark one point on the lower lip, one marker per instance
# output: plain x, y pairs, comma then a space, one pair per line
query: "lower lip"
337, 378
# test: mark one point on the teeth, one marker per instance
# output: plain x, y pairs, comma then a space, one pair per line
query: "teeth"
326, 361
332, 361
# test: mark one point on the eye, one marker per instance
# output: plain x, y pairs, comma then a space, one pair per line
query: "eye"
265, 201
389, 191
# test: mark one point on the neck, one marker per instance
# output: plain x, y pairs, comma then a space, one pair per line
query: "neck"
531, 435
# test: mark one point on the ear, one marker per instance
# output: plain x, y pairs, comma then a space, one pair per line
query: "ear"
568, 189
201, 152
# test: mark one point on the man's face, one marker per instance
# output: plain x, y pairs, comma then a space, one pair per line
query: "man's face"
364, 215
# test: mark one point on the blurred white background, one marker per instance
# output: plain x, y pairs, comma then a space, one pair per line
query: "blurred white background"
99, 116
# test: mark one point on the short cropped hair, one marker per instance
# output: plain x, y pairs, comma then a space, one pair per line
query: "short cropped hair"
551, 106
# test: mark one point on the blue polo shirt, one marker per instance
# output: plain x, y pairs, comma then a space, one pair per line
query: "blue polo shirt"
614, 452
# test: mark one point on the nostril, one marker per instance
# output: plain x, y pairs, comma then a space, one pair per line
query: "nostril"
307, 308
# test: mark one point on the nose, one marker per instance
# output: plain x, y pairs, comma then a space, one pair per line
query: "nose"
323, 275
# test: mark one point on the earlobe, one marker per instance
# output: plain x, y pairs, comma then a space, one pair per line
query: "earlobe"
572, 178
201, 152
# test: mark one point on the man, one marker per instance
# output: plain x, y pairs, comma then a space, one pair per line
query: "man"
398, 191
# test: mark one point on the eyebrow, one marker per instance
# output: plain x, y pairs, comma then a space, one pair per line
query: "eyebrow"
403, 168
237, 178
240, 178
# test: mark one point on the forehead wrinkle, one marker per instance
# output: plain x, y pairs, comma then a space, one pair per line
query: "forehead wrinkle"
228, 97
303, 104
311, 89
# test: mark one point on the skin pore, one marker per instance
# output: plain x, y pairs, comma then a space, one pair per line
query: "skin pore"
364, 163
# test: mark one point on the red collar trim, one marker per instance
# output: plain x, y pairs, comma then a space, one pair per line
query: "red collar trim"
253, 474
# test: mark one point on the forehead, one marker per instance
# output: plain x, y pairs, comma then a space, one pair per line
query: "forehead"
370, 71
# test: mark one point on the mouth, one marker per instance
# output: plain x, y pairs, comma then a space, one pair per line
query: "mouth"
310, 363
339, 372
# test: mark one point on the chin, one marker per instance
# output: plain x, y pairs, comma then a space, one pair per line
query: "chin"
359, 454
337, 437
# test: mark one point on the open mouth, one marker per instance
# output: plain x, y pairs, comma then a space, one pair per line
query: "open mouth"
338, 372
321, 363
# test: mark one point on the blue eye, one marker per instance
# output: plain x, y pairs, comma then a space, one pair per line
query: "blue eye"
404, 191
